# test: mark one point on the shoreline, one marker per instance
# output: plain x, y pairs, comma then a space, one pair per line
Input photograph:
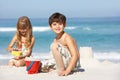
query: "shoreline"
5, 61
106, 57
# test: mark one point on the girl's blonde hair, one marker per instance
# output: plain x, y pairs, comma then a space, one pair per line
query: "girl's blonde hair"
24, 22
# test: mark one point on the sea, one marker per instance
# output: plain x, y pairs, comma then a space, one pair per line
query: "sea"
101, 34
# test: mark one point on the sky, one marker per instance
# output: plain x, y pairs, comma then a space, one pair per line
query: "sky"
70, 8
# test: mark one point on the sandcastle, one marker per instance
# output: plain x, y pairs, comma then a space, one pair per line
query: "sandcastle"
86, 52
87, 57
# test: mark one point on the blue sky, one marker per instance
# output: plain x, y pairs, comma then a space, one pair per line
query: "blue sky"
70, 8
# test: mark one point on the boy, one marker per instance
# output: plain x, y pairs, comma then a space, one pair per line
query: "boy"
63, 48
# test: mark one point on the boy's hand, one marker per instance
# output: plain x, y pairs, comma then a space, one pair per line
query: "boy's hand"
63, 73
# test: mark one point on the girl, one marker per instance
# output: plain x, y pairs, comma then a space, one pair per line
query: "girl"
23, 40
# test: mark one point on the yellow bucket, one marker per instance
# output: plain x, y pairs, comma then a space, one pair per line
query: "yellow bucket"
16, 53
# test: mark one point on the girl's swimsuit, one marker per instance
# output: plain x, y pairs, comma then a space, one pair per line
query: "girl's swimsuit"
24, 49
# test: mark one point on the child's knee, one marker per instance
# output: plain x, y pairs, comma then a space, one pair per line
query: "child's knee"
54, 46
20, 63
11, 62
17, 63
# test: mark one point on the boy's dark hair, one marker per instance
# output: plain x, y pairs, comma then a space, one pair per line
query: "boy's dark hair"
57, 17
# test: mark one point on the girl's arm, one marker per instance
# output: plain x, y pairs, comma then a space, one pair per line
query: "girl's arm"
74, 54
11, 44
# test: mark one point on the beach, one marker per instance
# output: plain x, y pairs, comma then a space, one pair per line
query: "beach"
95, 27
97, 40
91, 69
94, 70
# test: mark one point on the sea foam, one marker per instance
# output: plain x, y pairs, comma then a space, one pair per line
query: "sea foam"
35, 29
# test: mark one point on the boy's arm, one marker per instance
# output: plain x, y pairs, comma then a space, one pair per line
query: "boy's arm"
74, 54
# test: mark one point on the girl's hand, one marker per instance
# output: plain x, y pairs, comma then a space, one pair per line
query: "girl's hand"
19, 57
16, 49
16, 58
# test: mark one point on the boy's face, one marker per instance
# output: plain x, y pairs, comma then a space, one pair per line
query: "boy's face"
57, 27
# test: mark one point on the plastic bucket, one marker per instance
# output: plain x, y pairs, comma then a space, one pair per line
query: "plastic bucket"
16, 53
33, 67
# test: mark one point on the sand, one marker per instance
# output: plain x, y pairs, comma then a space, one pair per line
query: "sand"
93, 70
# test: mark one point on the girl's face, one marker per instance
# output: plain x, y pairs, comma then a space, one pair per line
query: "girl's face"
57, 27
22, 31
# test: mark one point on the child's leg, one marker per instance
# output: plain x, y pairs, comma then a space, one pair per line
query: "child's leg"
58, 58
20, 62
11, 62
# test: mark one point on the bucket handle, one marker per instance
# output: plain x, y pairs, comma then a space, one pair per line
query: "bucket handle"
29, 67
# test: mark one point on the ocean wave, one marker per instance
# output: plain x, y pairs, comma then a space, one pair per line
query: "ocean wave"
35, 29
101, 56
108, 56
36, 55
8, 29
87, 29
